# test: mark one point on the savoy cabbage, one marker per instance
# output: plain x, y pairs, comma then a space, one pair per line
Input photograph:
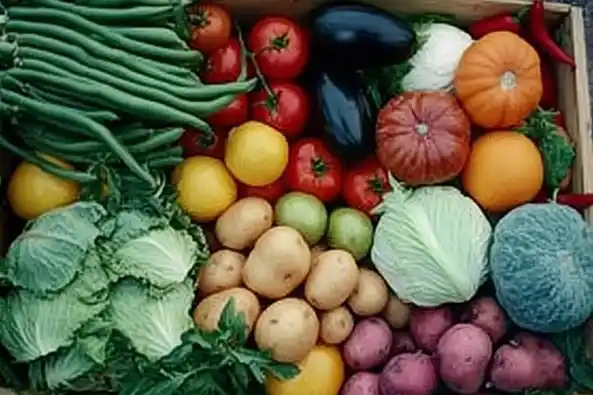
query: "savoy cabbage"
88, 282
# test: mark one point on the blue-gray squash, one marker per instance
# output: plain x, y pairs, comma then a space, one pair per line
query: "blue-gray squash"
542, 267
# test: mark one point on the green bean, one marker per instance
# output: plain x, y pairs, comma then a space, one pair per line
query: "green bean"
164, 162
168, 152
119, 100
96, 48
157, 36
50, 111
113, 37
194, 92
163, 138
100, 116
106, 16
122, 3
46, 165
55, 64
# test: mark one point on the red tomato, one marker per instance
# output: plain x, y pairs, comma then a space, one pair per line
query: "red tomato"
224, 64
288, 111
232, 115
271, 192
313, 168
364, 184
195, 143
211, 27
281, 47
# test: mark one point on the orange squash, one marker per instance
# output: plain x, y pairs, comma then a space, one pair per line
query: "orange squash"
503, 171
498, 80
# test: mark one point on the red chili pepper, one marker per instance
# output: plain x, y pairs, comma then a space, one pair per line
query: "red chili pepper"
496, 23
576, 201
540, 36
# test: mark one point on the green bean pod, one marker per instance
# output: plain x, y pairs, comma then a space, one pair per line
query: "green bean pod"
111, 36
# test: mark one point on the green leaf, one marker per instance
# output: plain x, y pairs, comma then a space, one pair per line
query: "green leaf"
153, 325
156, 386
33, 327
50, 251
56, 370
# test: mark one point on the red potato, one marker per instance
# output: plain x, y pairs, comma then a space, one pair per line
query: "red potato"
402, 343
551, 363
369, 344
427, 325
485, 313
514, 369
409, 374
361, 383
463, 354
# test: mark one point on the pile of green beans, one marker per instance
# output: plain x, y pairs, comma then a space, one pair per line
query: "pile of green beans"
109, 80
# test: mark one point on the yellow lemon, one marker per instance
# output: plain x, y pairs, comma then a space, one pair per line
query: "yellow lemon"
205, 187
32, 191
256, 154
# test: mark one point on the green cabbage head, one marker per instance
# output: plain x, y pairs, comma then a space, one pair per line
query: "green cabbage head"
431, 244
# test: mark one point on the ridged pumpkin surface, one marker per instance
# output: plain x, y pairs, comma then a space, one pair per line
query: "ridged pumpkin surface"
542, 267
498, 80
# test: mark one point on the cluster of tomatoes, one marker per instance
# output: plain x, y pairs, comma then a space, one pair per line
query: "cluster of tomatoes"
277, 52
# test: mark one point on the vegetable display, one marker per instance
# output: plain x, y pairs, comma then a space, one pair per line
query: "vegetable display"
210, 199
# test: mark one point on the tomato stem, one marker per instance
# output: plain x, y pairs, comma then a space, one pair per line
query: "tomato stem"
376, 185
272, 96
280, 42
199, 19
318, 167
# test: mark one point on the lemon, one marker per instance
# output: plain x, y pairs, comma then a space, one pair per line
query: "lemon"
32, 191
256, 154
205, 187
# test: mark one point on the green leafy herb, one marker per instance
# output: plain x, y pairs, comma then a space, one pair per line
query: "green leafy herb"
210, 363
557, 153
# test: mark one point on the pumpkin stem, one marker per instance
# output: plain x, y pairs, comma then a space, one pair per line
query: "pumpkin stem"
422, 129
508, 81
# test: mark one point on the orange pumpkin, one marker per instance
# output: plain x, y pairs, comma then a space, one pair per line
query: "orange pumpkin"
498, 80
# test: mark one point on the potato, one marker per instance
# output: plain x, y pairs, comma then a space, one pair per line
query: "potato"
362, 383
288, 328
278, 263
551, 362
207, 313
486, 314
409, 374
427, 325
463, 353
223, 271
317, 250
244, 222
369, 344
396, 313
332, 280
402, 343
370, 295
336, 325
514, 369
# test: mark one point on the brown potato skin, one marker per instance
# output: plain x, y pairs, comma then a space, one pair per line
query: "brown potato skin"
396, 313
370, 295
223, 271
278, 263
207, 312
288, 328
332, 280
244, 222
336, 325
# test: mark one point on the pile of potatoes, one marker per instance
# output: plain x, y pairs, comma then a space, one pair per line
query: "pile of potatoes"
293, 295
468, 348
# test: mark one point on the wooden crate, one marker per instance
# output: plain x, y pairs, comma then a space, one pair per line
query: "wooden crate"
573, 85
